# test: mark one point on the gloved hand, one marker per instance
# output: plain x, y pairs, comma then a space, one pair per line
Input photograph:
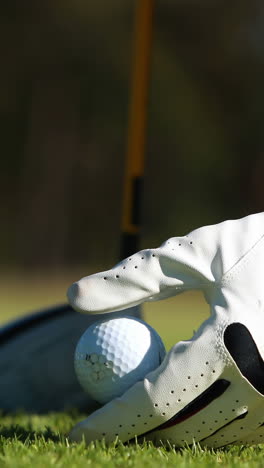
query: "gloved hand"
209, 389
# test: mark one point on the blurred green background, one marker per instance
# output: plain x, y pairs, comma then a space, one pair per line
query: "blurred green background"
64, 93
175, 319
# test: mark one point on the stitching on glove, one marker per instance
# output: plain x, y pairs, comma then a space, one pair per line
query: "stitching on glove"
239, 265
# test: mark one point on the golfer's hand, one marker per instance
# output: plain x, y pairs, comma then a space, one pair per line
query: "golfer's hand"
209, 389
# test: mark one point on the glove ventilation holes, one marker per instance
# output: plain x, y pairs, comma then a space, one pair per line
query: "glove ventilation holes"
199, 403
219, 435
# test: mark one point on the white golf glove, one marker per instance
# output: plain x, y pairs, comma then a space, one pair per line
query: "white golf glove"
209, 389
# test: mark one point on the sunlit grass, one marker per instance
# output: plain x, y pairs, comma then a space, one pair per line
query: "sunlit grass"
41, 441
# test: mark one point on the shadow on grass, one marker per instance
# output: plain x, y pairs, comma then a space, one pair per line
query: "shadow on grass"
23, 434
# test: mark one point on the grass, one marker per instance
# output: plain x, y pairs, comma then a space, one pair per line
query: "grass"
41, 441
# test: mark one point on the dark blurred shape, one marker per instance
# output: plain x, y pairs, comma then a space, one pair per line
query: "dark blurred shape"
65, 75
36, 360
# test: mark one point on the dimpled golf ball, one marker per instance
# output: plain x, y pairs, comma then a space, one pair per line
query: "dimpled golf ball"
112, 355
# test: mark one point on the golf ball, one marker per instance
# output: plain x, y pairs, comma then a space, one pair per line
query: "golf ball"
112, 355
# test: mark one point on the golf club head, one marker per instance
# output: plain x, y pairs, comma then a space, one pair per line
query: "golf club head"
37, 360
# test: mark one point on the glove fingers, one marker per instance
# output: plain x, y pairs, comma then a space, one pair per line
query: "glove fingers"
219, 422
246, 428
254, 437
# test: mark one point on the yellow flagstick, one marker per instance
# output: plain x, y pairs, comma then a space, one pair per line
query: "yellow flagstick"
137, 128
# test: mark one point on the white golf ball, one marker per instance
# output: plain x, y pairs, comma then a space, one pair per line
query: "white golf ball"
112, 355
